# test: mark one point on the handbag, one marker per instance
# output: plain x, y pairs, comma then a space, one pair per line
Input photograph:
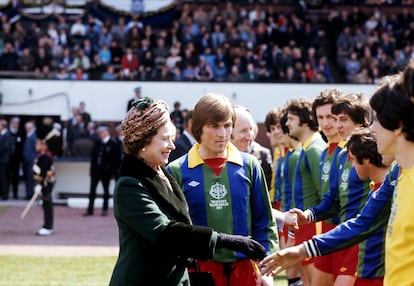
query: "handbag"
200, 278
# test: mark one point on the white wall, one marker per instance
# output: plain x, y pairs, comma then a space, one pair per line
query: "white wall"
72, 179
106, 101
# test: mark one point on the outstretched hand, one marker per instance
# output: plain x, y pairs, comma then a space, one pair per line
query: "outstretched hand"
301, 216
291, 220
251, 248
281, 260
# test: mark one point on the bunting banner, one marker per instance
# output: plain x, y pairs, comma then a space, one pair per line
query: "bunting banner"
138, 6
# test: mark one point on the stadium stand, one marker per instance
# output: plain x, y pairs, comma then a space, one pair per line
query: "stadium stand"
241, 40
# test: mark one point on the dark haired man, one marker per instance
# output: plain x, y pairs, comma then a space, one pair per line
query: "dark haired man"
302, 125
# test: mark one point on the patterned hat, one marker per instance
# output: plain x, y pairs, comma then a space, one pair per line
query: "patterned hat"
145, 116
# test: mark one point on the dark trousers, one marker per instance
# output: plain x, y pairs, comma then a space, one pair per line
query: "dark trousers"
4, 186
92, 193
47, 206
14, 177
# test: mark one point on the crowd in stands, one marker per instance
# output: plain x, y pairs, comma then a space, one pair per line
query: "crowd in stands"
222, 42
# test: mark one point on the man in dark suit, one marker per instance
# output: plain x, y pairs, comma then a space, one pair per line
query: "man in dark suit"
29, 156
186, 139
6, 149
137, 91
17, 156
105, 161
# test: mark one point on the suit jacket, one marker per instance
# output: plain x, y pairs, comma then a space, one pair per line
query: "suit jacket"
73, 132
105, 159
6, 148
18, 146
29, 148
264, 156
82, 147
155, 231
182, 145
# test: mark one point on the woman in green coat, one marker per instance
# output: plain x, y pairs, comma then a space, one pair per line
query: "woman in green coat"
155, 232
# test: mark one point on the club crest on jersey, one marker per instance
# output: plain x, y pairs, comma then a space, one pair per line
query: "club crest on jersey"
218, 192
326, 168
344, 179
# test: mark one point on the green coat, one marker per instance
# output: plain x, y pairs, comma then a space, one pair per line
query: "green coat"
155, 233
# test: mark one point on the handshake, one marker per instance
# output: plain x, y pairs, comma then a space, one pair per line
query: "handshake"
248, 246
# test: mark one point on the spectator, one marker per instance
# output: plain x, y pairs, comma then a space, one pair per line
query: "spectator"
189, 30
185, 141
89, 49
118, 139
104, 55
29, 155
234, 75
26, 61
188, 72
86, 117
53, 33
105, 38
83, 145
194, 37
6, 33
149, 38
217, 37
250, 75
62, 74
160, 54
9, 58
66, 60
133, 39
79, 74
177, 118
63, 39
344, 45
220, 71
116, 53
17, 155
263, 74
129, 65
77, 32
92, 39
74, 126
324, 69
104, 165
173, 59
119, 32
135, 23
203, 71
91, 131
352, 67
163, 74
175, 74
137, 92
6, 152
97, 68
81, 61
109, 74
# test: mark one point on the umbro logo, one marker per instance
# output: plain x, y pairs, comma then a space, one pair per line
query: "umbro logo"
193, 183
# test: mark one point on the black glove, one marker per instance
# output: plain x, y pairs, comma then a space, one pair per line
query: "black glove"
248, 246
